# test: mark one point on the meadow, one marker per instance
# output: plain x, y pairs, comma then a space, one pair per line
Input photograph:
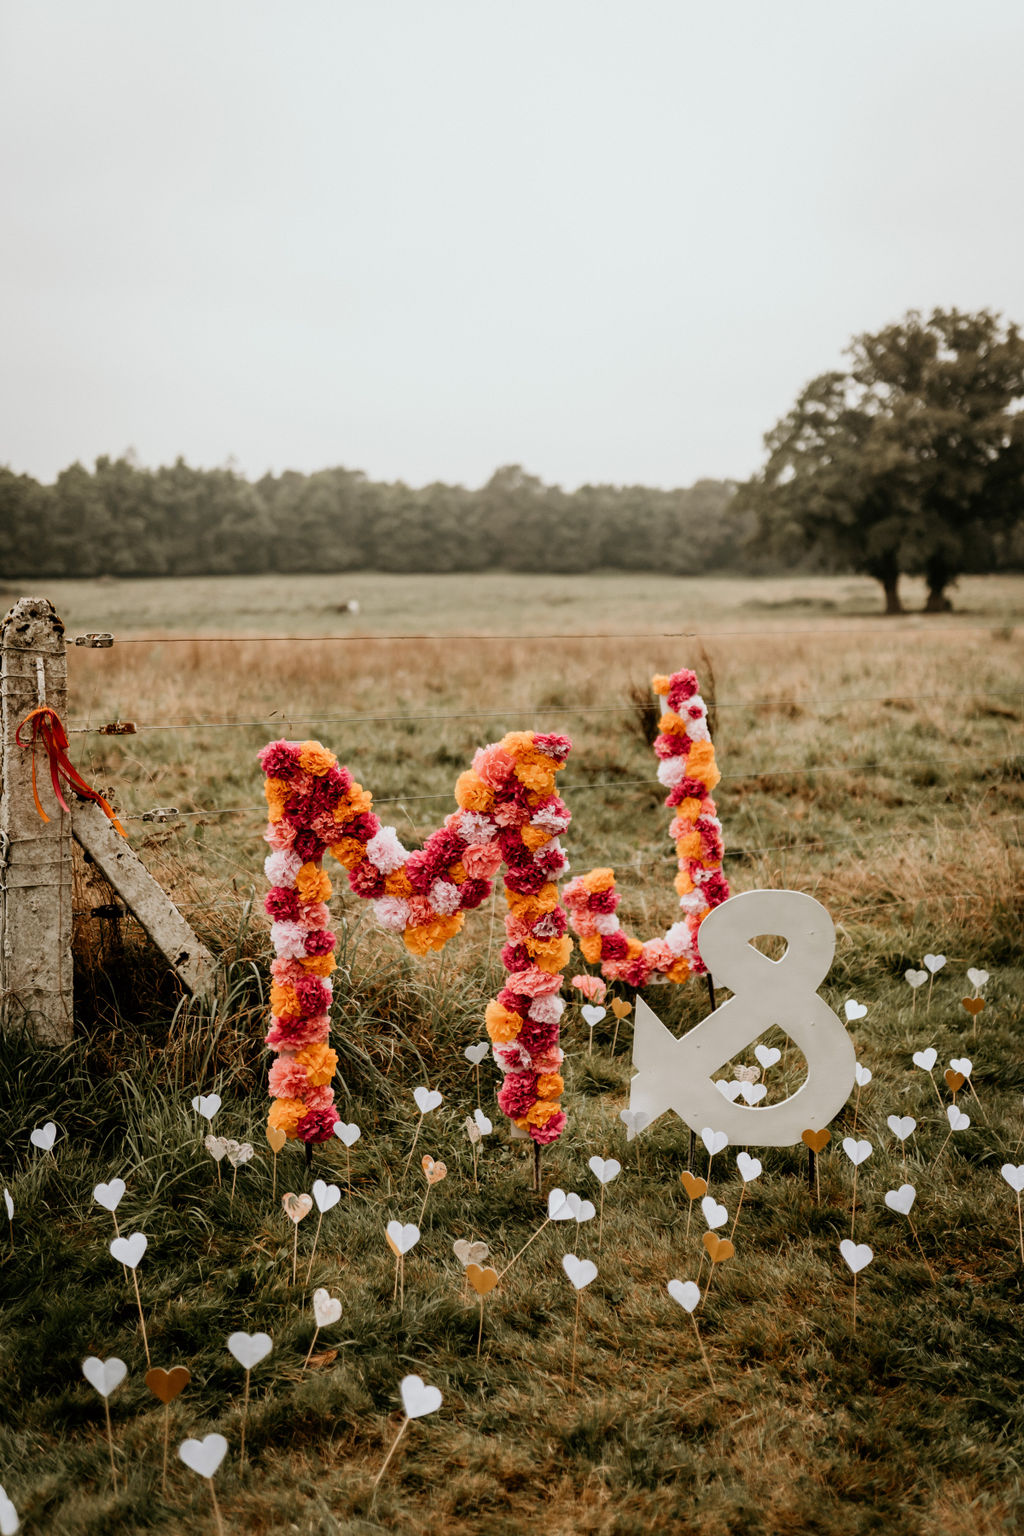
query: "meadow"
875, 763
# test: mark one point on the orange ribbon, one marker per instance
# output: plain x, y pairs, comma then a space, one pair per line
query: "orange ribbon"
47, 729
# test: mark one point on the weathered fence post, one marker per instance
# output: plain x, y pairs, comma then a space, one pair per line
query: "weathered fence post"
35, 856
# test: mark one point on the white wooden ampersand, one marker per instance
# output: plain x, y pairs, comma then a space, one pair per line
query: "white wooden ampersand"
677, 1073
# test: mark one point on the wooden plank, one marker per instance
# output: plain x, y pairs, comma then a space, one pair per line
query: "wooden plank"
150, 903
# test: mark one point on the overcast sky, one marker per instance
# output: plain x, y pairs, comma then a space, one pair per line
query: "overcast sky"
609, 241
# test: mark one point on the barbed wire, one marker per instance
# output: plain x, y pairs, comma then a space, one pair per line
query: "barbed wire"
290, 717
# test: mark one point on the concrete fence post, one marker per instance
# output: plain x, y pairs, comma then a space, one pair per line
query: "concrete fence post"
36, 977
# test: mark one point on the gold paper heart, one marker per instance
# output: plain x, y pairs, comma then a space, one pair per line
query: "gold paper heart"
719, 1248
816, 1140
955, 1080
621, 1008
276, 1138
167, 1384
482, 1280
974, 1005
297, 1206
694, 1186
435, 1172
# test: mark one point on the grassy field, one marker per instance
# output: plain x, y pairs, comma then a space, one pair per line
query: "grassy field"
876, 764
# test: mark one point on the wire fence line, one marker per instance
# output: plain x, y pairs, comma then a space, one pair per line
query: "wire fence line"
914, 627
290, 717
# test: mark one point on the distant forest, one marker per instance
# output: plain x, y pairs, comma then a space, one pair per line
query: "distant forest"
126, 520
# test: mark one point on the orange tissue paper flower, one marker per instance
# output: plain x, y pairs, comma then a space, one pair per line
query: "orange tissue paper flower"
597, 880
700, 764
680, 971
550, 1085
534, 838
285, 1115
661, 683
536, 776
312, 883
284, 1001
688, 847
688, 810
502, 1024
349, 852
683, 884
277, 792
590, 948
316, 759
540, 1114
471, 793
319, 965
398, 883
552, 954
671, 725
320, 1063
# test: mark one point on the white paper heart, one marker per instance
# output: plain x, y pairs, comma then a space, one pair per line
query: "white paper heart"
750, 1167
958, 1121
470, 1253
8, 1203
902, 1126
685, 1292
239, 1153
962, 1064
976, 978
926, 1059
592, 1013
325, 1195
580, 1271
934, 963
854, 1010
129, 1250
8, 1516
728, 1089
250, 1348
585, 1211
1014, 1176
767, 1055
483, 1125
901, 1199
559, 1208
217, 1146
635, 1120
206, 1105
426, 1099
418, 1398
857, 1255
404, 1237
857, 1151
714, 1214
104, 1375
604, 1170
753, 1093
347, 1134
44, 1136
916, 978
862, 1074
204, 1456
714, 1141
109, 1195
476, 1053
326, 1308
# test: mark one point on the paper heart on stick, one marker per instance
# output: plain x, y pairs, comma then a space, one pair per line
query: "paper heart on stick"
916, 978
276, 1138
417, 1398
958, 1121
476, 1053
954, 1080
816, 1141
857, 1255
8, 1203
250, 1348
694, 1186
472, 1130
767, 1055
348, 1135
166, 1385
635, 1120
559, 1208
1014, 1176
297, 1207
44, 1136
622, 1009
902, 1126
129, 1250
580, 1271
482, 1280
9, 1522
714, 1141
109, 1195
753, 1093
469, 1253
433, 1172
402, 1238
962, 1064
585, 1211
862, 1075
592, 1013
239, 1153
426, 1099
605, 1169
217, 1146
104, 1375
714, 1214
325, 1195
854, 1010
925, 1059
483, 1124
750, 1167
203, 1456
719, 1248
206, 1105
857, 1151
934, 963
326, 1308
685, 1292
974, 1005
729, 1090
901, 1199
976, 978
